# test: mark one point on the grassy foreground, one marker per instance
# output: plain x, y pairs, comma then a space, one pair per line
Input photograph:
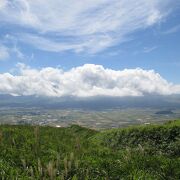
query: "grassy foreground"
138, 152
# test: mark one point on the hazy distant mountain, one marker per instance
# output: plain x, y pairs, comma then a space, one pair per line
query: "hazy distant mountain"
99, 102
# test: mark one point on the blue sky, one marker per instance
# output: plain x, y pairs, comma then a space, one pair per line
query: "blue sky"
115, 34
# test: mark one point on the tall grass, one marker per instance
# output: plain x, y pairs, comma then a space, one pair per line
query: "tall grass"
150, 152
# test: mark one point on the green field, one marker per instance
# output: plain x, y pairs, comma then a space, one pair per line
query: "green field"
137, 152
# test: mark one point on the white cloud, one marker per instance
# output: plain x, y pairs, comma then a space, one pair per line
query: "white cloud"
91, 44
149, 49
18, 52
83, 25
172, 30
2, 4
4, 52
85, 81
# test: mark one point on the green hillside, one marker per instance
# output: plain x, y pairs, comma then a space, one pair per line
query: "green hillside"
137, 152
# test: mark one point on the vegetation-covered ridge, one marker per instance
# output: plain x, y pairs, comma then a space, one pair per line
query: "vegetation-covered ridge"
137, 152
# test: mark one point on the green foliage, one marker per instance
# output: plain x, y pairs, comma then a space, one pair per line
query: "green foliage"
137, 152
154, 138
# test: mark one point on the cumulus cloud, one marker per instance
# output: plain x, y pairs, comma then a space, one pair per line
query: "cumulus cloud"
83, 25
85, 81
